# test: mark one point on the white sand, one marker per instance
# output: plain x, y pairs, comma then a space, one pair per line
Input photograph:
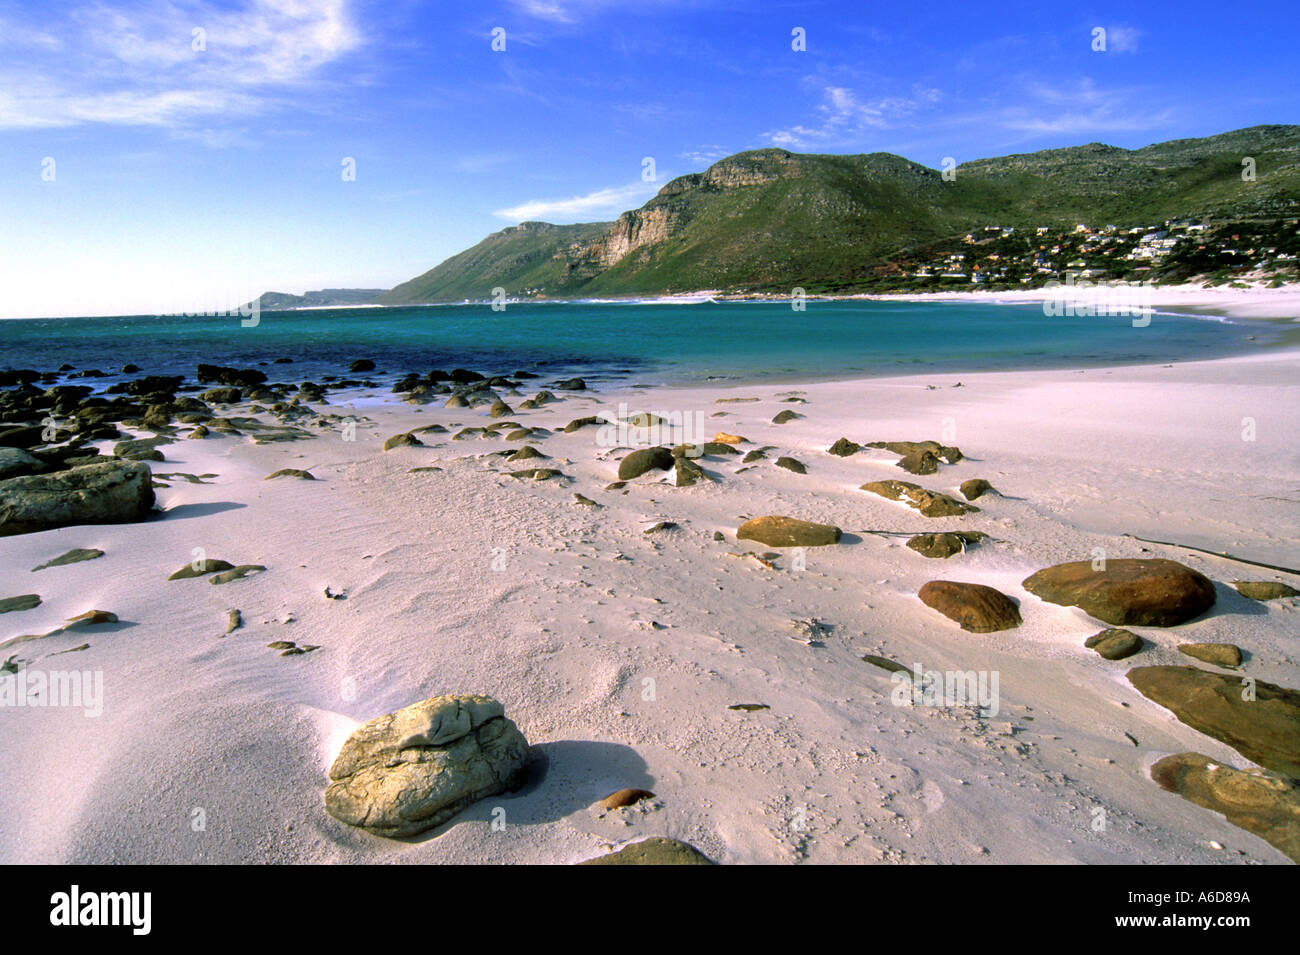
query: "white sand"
1256, 302
588, 607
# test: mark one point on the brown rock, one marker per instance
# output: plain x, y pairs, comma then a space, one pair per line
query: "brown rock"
844, 447
929, 503
625, 797
949, 455
919, 462
1265, 729
198, 568
1150, 593
791, 464
1263, 804
1114, 644
976, 487
778, 531
1264, 589
944, 545
644, 459
975, 607
1220, 654
402, 440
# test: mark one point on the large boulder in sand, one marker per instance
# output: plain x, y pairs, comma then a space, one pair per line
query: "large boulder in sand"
642, 460
974, 607
942, 546
1265, 805
929, 503
1260, 720
1148, 593
777, 531
409, 771
114, 492
655, 851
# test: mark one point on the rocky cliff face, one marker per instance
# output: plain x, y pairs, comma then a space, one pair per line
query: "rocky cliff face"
662, 217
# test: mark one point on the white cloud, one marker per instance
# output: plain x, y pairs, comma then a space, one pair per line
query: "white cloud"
844, 115
602, 203
1081, 109
704, 155
137, 67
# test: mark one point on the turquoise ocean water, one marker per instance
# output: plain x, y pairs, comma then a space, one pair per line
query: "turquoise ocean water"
642, 342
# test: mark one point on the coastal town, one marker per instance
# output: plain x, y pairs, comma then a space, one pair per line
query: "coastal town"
1236, 253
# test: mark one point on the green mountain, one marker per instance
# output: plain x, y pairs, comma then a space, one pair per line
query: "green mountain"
521, 258
771, 219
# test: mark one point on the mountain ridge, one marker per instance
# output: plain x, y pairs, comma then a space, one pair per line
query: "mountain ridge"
769, 219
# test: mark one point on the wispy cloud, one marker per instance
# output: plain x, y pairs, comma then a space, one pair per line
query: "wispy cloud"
165, 65
602, 203
844, 115
1082, 109
705, 155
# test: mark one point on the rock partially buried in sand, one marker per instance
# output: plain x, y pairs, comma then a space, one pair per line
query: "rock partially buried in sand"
1264, 589
114, 492
1148, 593
976, 487
919, 462
624, 797
943, 546
778, 531
644, 459
1265, 805
409, 771
577, 424
1264, 729
198, 568
949, 455
402, 440
844, 447
1114, 644
236, 573
22, 602
929, 503
91, 618
791, 464
722, 437
74, 556
687, 473
1220, 654
786, 416
527, 452
656, 851
291, 472
974, 607
536, 474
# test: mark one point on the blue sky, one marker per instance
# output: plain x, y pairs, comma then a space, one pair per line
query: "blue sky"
193, 170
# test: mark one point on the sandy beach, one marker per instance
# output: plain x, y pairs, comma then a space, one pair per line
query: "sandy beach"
620, 650
1258, 301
